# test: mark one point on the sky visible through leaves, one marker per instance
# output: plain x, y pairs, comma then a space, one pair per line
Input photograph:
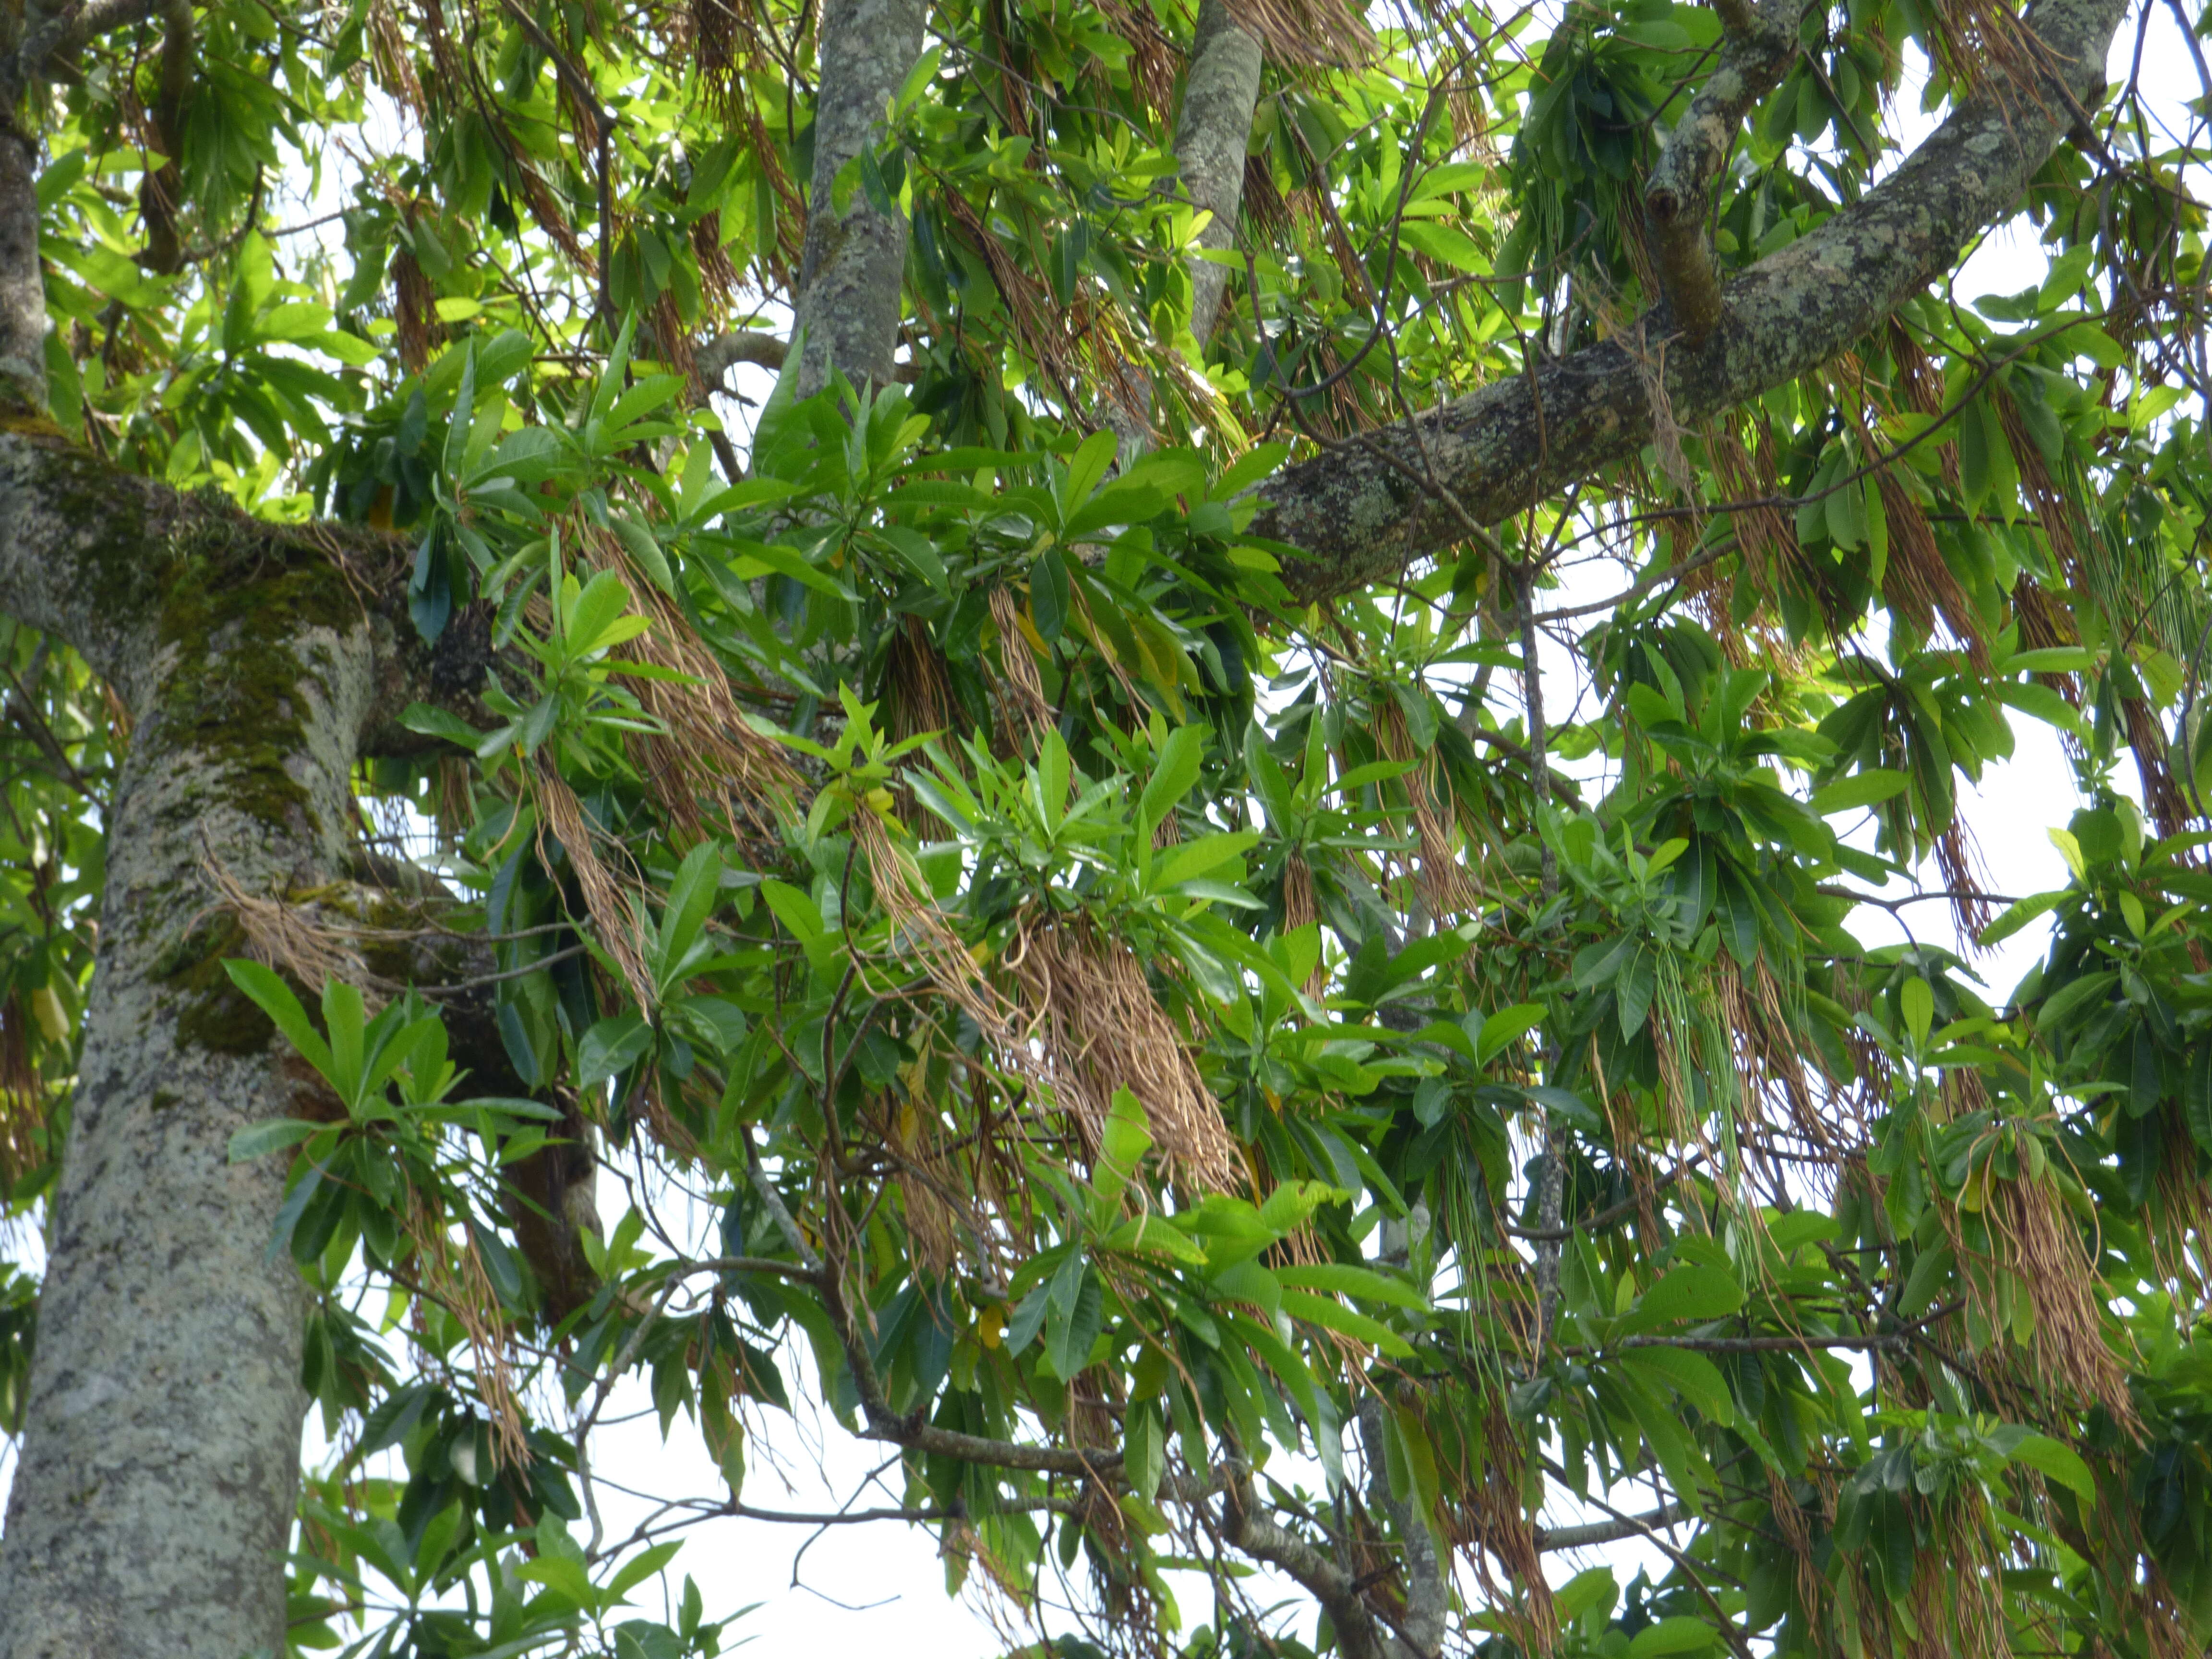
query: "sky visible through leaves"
887, 1578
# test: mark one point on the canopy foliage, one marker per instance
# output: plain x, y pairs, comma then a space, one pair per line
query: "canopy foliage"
1186, 1046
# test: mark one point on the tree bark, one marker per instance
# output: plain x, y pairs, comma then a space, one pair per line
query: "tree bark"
854, 263
1378, 503
22, 288
1757, 51
160, 1464
1213, 132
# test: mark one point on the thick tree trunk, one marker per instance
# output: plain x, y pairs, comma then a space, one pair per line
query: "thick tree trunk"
160, 1448
853, 264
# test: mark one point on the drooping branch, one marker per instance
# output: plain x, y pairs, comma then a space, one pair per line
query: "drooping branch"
1214, 128
1366, 510
1755, 52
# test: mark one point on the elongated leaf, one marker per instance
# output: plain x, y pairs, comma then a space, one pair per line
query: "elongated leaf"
275, 999
270, 1135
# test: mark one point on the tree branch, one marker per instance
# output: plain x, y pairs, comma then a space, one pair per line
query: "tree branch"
1756, 51
1355, 519
1594, 1533
1212, 134
69, 28
160, 192
715, 359
1246, 1528
80, 542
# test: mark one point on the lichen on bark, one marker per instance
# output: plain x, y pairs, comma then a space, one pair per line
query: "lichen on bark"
161, 1450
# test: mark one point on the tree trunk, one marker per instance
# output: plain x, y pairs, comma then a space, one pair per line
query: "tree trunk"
854, 263
159, 1467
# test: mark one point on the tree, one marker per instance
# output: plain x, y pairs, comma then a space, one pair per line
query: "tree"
1059, 844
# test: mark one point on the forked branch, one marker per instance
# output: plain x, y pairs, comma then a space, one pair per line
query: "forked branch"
1755, 52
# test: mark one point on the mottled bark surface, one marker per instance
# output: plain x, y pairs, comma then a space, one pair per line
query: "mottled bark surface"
159, 1463
854, 262
1213, 132
1371, 508
1756, 51
22, 289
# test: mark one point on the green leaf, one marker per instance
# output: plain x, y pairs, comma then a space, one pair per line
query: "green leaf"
1677, 1634
1049, 598
1084, 468
591, 612
917, 552
2058, 1461
773, 558
1070, 1330
1156, 1234
1123, 1141
643, 546
2041, 702
1174, 769
1505, 1028
1345, 1279
639, 1567
1145, 491
1863, 788
1929, 1270
1973, 458
795, 910
1143, 1451
2050, 659
2196, 1094
2059, 1006
275, 999
1691, 1295
1691, 1375
465, 408
1594, 1588
1916, 1002
691, 898
269, 1135
2019, 915
344, 1017
1334, 1316
612, 1047
437, 723
563, 1576
1634, 989
1192, 859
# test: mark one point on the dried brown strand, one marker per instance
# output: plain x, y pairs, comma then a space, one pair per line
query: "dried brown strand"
616, 905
